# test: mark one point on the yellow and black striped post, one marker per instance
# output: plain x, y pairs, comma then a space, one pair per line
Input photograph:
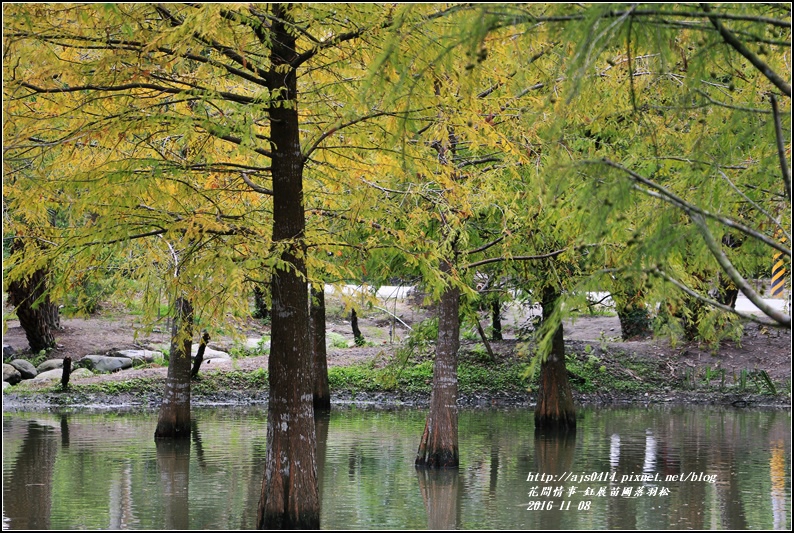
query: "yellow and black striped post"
778, 274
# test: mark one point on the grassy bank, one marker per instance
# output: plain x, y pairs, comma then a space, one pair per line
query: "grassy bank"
594, 372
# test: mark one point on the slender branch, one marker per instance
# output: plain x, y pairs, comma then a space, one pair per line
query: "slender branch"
224, 50
762, 67
714, 303
373, 225
500, 22
215, 132
515, 258
338, 127
728, 106
393, 316
755, 205
128, 238
254, 186
231, 97
470, 162
734, 275
485, 246
674, 199
781, 148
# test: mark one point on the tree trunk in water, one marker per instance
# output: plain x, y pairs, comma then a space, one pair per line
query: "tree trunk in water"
37, 316
496, 321
174, 421
555, 409
439, 445
322, 394
290, 496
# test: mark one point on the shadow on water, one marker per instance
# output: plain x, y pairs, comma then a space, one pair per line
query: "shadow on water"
27, 495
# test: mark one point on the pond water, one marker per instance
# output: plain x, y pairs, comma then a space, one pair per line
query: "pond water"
632, 468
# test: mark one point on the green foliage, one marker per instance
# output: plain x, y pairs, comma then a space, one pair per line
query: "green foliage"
594, 132
417, 378
336, 340
127, 386
216, 381
492, 378
262, 348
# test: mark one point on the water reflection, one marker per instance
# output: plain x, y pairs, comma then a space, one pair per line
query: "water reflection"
441, 495
27, 492
173, 463
626, 469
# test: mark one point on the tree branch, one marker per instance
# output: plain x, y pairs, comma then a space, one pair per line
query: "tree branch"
224, 50
485, 246
254, 186
515, 258
672, 198
151, 86
334, 129
762, 67
714, 303
755, 205
781, 148
734, 275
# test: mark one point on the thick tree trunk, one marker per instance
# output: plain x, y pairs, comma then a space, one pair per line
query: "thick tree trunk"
37, 316
290, 497
439, 445
174, 421
322, 393
555, 409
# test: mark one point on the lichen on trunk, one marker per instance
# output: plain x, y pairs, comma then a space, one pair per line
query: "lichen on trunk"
439, 445
174, 419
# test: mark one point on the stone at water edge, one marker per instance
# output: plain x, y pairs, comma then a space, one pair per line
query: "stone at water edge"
209, 353
11, 375
8, 351
25, 368
49, 364
103, 363
50, 375
81, 373
146, 356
